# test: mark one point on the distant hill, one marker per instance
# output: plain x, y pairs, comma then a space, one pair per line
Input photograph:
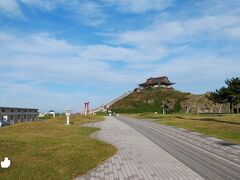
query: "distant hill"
151, 100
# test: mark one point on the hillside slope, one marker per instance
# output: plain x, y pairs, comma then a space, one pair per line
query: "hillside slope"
175, 101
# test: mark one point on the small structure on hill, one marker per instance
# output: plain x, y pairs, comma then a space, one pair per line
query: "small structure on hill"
52, 112
155, 82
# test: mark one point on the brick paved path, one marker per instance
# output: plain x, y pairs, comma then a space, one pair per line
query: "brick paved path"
137, 156
209, 157
214, 145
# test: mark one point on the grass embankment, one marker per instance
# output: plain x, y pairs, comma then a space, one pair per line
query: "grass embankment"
48, 149
226, 127
149, 101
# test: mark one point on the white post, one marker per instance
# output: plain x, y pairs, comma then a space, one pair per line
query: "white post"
68, 122
67, 112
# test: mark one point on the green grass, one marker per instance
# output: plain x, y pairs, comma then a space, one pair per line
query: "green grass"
48, 116
149, 101
102, 113
226, 127
48, 149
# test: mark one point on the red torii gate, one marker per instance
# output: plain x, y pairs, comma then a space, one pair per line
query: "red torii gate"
86, 107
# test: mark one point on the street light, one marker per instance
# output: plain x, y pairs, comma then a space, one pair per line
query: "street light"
67, 113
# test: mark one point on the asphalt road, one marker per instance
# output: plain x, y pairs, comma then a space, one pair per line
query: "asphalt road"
207, 164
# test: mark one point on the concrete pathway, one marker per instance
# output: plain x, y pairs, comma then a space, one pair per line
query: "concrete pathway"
137, 157
209, 157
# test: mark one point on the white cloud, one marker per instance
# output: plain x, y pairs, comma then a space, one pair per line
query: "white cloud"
46, 5
129, 55
210, 23
10, 8
43, 58
162, 33
42, 98
86, 12
40, 43
89, 12
140, 6
218, 7
198, 72
233, 32
149, 37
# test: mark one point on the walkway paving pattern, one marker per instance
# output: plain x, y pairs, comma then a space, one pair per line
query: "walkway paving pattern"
211, 144
137, 157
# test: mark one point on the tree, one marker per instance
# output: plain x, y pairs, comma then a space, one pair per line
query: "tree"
229, 94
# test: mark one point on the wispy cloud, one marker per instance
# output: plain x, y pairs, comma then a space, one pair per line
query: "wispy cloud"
216, 7
44, 58
46, 5
162, 33
234, 32
40, 97
11, 8
41, 57
87, 12
27, 61
140, 6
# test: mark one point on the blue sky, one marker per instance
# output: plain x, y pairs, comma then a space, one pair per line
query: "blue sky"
61, 53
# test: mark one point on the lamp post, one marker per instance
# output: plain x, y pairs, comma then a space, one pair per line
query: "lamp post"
67, 112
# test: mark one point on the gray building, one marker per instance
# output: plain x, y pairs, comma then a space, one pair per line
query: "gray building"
15, 115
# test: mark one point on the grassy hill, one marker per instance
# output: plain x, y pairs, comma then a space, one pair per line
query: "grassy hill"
175, 101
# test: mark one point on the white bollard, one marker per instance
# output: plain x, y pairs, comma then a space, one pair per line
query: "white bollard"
68, 120
67, 112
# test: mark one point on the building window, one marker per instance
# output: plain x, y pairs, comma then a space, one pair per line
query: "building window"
3, 110
11, 117
19, 110
12, 110
25, 110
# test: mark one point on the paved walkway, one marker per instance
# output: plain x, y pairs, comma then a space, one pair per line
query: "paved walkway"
137, 157
214, 145
196, 151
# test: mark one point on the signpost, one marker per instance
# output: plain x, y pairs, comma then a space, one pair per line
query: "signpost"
67, 112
